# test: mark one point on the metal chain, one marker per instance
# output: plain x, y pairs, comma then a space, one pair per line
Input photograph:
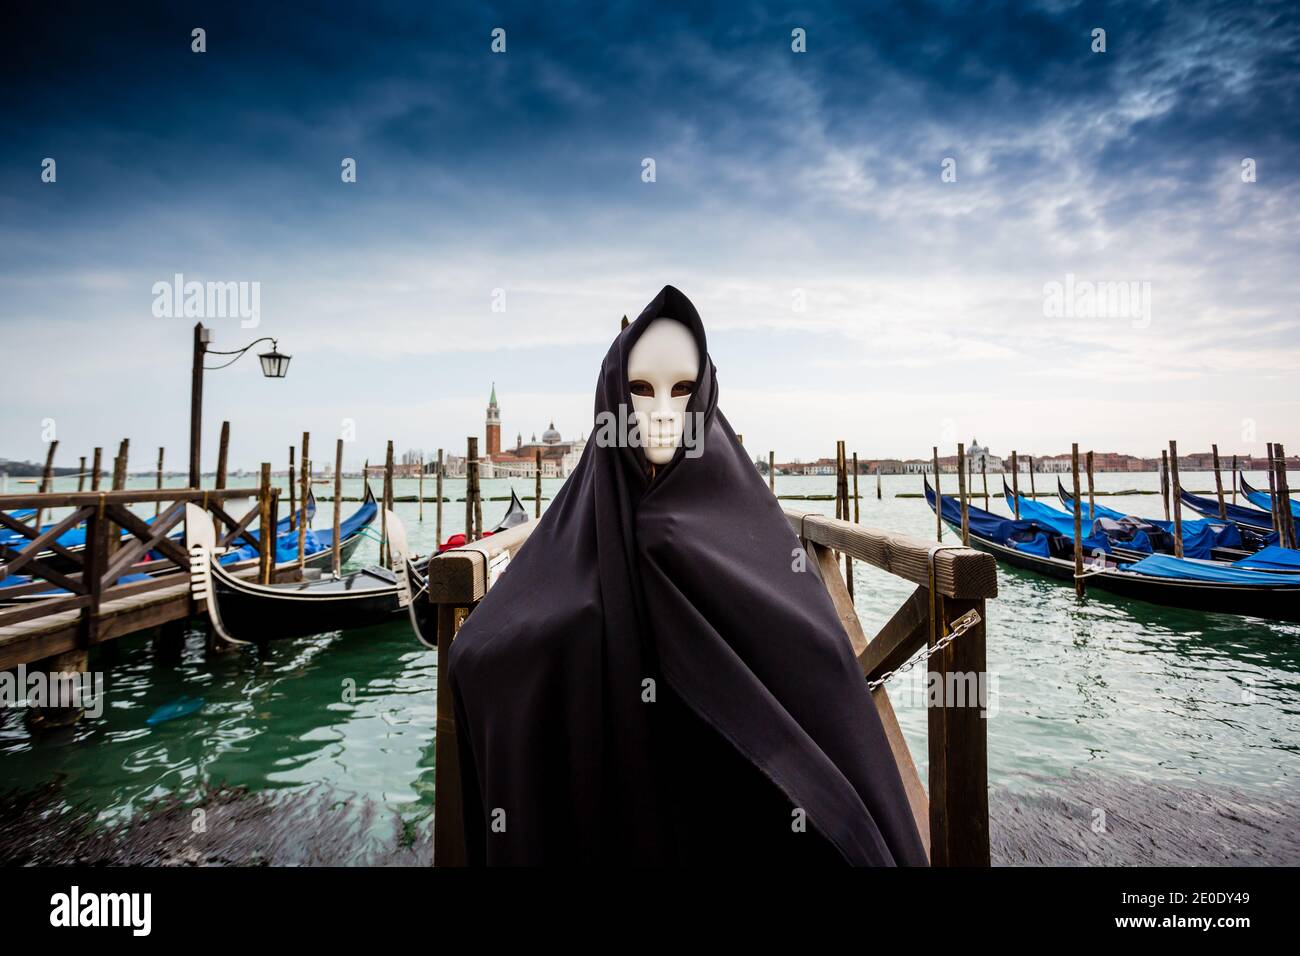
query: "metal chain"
959, 627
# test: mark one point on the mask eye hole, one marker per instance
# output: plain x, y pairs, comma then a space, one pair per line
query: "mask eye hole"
642, 388
683, 388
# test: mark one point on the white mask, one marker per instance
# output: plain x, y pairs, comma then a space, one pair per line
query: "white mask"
661, 372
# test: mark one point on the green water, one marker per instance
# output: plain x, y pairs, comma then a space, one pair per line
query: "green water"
1123, 690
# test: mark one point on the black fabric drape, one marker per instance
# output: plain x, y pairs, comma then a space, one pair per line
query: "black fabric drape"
653, 680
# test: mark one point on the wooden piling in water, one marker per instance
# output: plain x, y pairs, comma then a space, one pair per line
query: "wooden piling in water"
537, 483
984, 475
293, 492
81, 474
96, 468
437, 510
1234, 479
1272, 491
1015, 483
223, 454
1175, 493
265, 530
1286, 536
471, 452
938, 496
1078, 522
385, 549
1033, 492
1164, 480
856, 498
771, 472
1092, 504
419, 493
961, 491
879, 491
304, 464
306, 517
338, 502
842, 459
47, 477
1218, 483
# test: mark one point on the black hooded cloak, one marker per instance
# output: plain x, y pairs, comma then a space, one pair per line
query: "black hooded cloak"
651, 681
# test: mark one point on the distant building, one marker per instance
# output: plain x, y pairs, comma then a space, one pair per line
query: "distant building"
559, 457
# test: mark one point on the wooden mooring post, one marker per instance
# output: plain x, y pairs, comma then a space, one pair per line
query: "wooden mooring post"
1092, 511
1033, 492
47, 476
1015, 483
537, 484
304, 520
1078, 522
471, 452
1218, 483
293, 493
338, 502
938, 496
265, 527
158, 482
951, 584
81, 474
1164, 480
961, 491
771, 472
96, 468
385, 549
437, 508
223, 455
1175, 493
1272, 491
1286, 527
1234, 479
419, 492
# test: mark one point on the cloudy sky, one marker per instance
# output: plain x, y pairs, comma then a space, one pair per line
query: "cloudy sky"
849, 287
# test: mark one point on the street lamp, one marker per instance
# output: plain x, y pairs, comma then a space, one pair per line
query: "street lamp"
274, 365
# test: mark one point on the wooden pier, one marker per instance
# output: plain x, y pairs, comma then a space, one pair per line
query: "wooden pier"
89, 604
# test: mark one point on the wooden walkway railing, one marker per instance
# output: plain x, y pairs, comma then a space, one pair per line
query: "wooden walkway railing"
951, 582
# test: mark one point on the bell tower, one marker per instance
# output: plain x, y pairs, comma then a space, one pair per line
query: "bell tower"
493, 424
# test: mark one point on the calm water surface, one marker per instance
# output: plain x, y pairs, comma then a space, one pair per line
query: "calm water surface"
1121, 690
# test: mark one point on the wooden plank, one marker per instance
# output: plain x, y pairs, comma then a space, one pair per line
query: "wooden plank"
77, 499
959, 572
900, 638
458, 576
843, 604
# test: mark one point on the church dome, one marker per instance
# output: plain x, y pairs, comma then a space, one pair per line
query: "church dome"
550, 436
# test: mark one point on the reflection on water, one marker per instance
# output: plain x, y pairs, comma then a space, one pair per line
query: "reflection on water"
1128, 693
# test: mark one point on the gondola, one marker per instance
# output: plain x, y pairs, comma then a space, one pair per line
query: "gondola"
245, 612
414, 576
1157, 579
1263, 499
1244, 517
1209, 538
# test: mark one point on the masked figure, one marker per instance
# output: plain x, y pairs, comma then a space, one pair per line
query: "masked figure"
657, 678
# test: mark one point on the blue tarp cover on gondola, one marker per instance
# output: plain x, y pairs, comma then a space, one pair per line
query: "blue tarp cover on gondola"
1271, 558
1200, 536
1264, 501
991, 527
1165, 566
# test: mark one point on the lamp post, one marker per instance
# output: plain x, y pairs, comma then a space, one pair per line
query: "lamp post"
274, 365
